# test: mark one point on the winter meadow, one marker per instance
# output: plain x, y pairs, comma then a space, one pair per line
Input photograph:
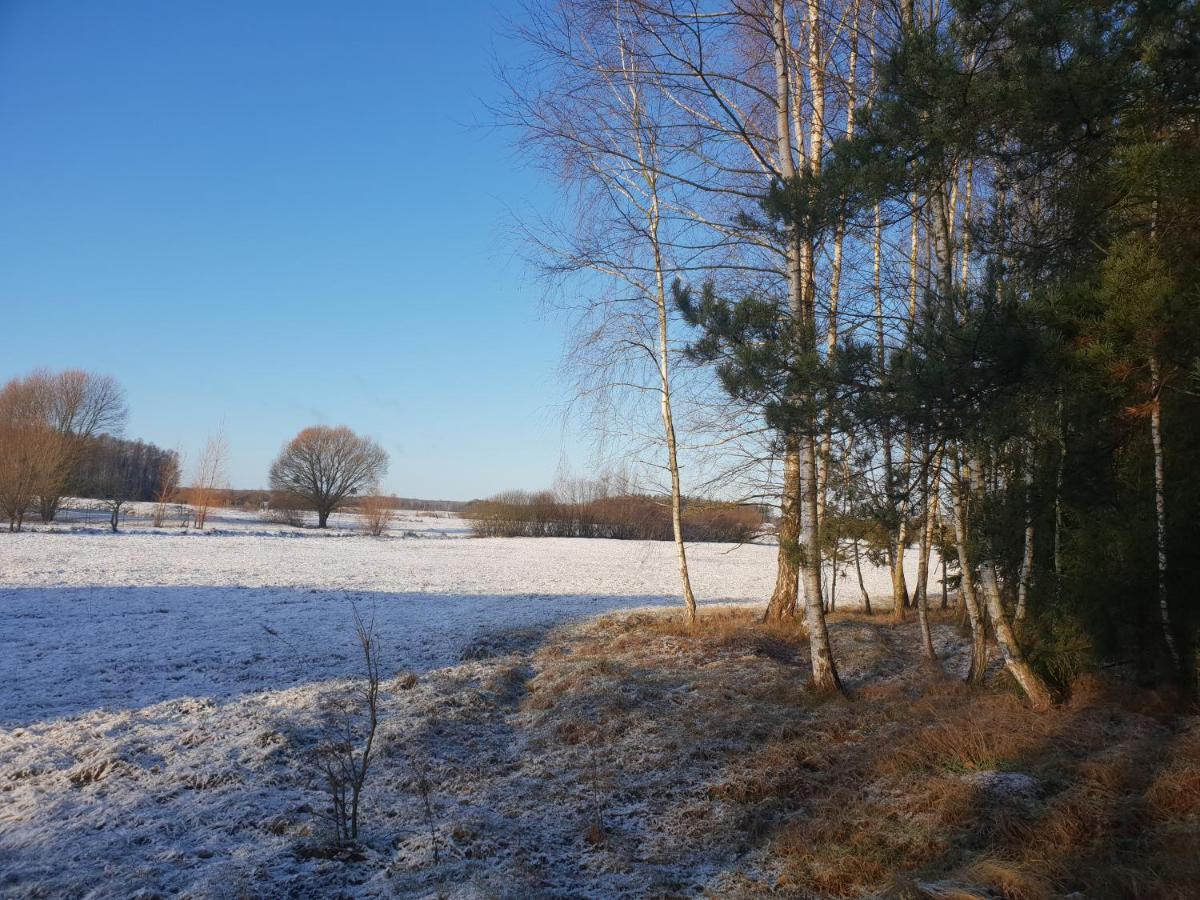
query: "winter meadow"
812, 386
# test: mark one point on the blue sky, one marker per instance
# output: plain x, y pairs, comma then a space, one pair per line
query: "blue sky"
272, 214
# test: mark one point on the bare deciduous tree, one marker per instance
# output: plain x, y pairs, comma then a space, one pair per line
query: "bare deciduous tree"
324, 465
33, 456
210, 477
85, 404
78, 405
596, 119
168, 488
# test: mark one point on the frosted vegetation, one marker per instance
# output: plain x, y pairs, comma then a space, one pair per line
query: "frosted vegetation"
162, 691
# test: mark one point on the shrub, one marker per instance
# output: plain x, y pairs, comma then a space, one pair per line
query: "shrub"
377, 513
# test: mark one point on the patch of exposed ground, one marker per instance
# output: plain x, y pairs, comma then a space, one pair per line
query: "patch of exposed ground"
626, 756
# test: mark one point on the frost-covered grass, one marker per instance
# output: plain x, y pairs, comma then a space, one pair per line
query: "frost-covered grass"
161, 695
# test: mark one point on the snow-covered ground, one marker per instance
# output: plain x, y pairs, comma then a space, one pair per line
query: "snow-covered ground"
90, 619
115, 648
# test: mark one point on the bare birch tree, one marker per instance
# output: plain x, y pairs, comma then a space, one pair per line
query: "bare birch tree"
595, 119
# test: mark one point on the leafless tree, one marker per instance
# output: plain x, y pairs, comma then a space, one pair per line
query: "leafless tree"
84, 404
33, 456
168, 489
79, 405
350, 720
595, 119
210, 477
120, 477
325, 465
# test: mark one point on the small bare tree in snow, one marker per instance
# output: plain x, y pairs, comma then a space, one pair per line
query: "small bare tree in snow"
210, 477
168, 489
343, 757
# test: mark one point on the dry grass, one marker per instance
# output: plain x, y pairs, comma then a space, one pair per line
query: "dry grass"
905, 789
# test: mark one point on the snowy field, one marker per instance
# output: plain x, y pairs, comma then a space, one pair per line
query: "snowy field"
117, 650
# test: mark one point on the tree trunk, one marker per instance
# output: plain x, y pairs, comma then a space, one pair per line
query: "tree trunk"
48, 507
825, 676
833, 577
689, 598
1026, 574
783, 598
787, 573
1160, 508
1014, 660
931, 498
971, 607
322, 517
945, 590
923, 568
862, 587
899, 584
1033, 686
1059, 478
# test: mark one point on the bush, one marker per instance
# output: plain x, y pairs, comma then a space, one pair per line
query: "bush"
377, 513
288, 509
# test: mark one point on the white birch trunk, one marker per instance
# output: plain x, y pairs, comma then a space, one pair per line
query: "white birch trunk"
1160, 507
1026, 574
783, 597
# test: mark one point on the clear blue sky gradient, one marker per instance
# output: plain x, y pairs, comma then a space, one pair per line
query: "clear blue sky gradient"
272, 214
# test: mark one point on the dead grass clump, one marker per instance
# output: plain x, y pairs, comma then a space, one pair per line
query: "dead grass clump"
851, 843
576, 731
93, 772
967, 732
1011, 879
720, 626
1175, 792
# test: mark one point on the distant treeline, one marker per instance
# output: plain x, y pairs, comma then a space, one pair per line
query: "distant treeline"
110, 468
251, 499
455, 506
623, 517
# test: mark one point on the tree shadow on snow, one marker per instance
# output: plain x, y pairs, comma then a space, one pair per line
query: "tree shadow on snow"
68, 651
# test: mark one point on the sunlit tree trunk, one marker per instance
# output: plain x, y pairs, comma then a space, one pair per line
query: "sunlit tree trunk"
787, 569
1014, 660
689, 598
790, 558
839, 238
